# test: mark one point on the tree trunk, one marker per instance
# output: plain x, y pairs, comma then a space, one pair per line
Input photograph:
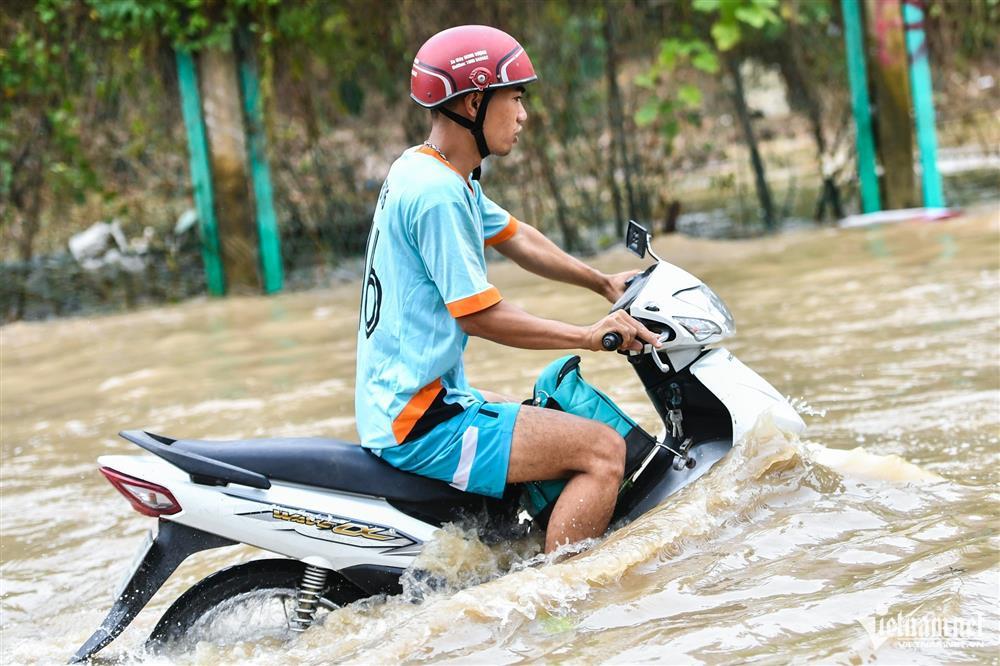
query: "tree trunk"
743, 114
223, 113
571, 240
28, 171
888, 66
802, 97
830, 194
673, 213
615, 121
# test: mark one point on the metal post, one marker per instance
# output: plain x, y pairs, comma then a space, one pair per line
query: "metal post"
201, 173
268, 237
861, 106
923, 101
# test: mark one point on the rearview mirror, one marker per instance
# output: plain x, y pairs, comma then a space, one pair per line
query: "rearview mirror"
636, 239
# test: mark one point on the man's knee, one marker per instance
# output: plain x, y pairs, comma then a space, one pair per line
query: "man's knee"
608, 453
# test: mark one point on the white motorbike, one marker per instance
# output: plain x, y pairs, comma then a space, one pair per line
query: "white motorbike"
346, 525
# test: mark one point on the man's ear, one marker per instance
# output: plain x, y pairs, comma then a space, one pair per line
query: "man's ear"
472, 102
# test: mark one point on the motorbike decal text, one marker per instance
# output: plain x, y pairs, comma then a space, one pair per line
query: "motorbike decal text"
347, 528
336, 529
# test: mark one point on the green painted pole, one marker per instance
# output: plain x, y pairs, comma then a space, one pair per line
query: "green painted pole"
201, 173
861, 106
268, 237
923, 102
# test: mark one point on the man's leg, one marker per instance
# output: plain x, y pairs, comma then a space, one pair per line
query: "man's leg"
550, 444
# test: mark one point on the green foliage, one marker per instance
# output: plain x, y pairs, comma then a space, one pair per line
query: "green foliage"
689, 95
574, 66
39, 125
189, 24
730, 15
649, 112
88, 105
726, 34
963, 30
729, 22
675, 50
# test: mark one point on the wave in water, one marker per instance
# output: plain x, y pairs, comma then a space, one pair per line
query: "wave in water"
493, 591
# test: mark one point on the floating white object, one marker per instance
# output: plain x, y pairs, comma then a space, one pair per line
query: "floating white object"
899, 215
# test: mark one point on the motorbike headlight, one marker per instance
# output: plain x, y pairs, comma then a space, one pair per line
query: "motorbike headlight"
701, 329
705, 299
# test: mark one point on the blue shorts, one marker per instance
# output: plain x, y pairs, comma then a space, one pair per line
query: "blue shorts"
470, 451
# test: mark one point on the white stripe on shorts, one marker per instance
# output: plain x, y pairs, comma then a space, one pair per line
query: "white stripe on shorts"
470, 440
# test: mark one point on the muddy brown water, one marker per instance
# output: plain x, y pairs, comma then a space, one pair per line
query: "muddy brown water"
888, 338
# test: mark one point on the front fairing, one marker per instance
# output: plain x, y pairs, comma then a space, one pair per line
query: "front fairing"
672, 302
745, 394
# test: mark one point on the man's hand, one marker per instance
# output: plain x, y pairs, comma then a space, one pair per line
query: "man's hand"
633, 333
615, 284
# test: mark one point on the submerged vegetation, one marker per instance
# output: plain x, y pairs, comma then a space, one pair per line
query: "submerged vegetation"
659, 111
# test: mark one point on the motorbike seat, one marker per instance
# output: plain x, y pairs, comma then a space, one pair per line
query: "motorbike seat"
338, 465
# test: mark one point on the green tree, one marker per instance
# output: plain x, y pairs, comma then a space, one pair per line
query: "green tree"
41, 159
707, 42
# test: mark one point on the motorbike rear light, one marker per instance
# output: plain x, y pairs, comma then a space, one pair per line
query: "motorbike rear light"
147, 498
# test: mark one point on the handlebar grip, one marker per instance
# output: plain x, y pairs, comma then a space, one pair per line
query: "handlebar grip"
611, 341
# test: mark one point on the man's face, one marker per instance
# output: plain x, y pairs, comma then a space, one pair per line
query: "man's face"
504, 119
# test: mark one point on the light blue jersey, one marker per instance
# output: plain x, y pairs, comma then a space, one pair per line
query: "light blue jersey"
424, 267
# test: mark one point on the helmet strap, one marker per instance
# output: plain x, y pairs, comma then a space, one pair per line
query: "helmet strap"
474, 126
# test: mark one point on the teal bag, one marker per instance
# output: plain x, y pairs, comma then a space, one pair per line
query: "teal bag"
561, 386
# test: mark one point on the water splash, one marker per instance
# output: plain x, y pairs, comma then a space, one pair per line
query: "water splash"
802, 406
494, 591
861, 464
456, 559
536, 588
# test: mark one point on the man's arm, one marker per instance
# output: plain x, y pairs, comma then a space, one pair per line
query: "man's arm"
532, 251
510, 325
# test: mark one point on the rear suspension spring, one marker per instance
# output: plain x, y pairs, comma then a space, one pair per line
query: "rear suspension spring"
307, 599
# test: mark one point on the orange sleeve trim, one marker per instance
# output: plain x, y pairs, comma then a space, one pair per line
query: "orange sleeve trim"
503, 234
475, 303
414, 409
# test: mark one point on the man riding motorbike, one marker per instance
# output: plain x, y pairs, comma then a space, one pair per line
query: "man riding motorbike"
425, 292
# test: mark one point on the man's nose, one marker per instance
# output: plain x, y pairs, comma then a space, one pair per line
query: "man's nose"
522, 114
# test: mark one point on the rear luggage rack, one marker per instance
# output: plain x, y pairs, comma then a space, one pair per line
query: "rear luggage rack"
201, 469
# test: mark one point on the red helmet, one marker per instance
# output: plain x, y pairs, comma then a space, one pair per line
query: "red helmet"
464, 59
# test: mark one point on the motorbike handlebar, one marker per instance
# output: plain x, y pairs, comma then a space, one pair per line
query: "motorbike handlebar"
611, 341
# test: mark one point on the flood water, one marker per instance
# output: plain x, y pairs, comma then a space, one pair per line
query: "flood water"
888, 338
